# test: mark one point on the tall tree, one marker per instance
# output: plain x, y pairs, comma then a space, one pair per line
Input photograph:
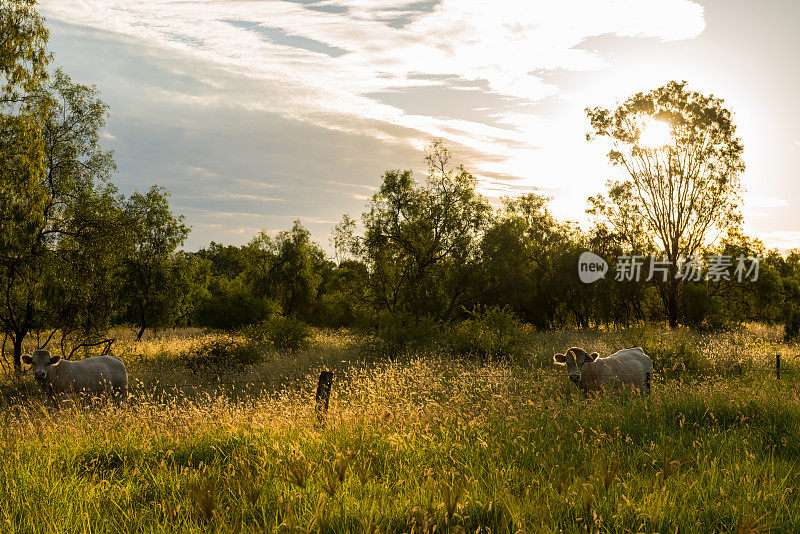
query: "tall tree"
64, 203
421, 240
679, 190
23, 69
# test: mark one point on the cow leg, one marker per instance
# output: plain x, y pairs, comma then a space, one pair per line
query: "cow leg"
647, 377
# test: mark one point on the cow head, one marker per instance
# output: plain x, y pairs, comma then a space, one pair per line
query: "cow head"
40, 362
574, 360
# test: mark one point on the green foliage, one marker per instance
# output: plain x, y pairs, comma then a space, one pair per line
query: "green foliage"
285, 268
60, 231
283, 333
701, 310
232, 305
490, 333
343, 299
23, 50
421, 240
150, 273
222, 355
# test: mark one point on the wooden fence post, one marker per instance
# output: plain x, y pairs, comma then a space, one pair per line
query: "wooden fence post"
323, 393
778, 366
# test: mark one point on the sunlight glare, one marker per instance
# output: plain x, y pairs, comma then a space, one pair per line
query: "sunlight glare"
655, 134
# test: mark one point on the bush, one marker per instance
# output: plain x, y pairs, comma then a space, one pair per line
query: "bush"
283, 333
699, 310
490, 333
233, 306
791, 328
400, 331
222, 355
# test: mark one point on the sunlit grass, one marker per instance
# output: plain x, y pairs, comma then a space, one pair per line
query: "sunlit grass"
422, 442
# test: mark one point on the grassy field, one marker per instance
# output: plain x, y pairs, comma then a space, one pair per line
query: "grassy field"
422, 443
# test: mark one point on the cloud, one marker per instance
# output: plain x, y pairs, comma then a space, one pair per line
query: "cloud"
220, 100
760, 201
783, 239
348, 57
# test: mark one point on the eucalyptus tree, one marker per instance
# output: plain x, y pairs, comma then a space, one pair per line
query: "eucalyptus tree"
682, 190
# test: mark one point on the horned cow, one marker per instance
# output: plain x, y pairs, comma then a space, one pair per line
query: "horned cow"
61, 379
589, 372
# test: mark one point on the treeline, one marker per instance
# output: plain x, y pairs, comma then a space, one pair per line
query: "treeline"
437, 252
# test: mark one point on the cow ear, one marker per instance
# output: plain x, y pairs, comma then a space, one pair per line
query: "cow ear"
54, 359
560, 359
593, 356
27, 359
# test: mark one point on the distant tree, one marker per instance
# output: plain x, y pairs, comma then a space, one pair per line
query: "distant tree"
148, 272
518, 250
228, 261
343, 239
344, 299
677, 194
421, 240
286, 268
190, 280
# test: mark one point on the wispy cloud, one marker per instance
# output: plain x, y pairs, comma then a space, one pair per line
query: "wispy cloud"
784, 239
761, 201
328, 60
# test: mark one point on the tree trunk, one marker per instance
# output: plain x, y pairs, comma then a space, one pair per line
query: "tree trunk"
672, 305
17, 338
142, 329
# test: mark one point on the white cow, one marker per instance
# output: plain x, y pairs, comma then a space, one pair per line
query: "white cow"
589, 372
93, 377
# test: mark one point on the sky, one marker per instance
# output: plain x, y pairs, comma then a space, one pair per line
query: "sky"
256, 113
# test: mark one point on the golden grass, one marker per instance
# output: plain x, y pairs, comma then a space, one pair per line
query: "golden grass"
421, 443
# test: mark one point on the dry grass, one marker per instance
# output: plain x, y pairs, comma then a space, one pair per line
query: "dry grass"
420, 444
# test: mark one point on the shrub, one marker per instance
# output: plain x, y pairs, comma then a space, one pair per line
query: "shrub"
222, 355
791, 328
490, 333
401, 331
283, 333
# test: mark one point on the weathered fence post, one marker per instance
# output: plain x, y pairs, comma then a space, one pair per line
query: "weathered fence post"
778, 366
323, 393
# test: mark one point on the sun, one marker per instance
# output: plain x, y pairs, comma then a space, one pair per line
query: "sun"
655, 134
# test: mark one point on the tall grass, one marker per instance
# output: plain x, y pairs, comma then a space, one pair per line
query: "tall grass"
424, 444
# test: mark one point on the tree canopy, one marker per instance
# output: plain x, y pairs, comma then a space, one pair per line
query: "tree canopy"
679, 192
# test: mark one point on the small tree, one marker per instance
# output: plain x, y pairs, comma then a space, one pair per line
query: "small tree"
148, 275
678, 191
